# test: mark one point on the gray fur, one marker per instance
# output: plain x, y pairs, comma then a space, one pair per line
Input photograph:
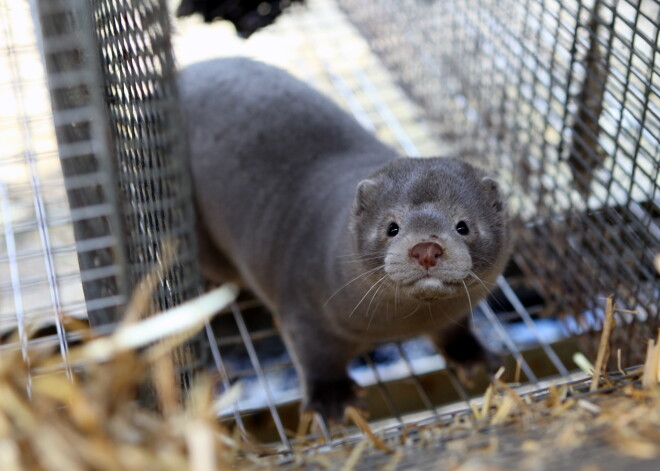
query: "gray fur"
277, 172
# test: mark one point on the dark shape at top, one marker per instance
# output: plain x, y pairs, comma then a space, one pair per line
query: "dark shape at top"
247, 16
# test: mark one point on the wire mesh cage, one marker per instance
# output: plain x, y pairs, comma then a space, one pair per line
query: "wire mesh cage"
92, 84
560, 98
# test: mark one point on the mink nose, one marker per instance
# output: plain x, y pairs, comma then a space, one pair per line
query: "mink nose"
426, 253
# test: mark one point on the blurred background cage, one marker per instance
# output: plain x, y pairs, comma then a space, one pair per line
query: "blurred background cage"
560, 99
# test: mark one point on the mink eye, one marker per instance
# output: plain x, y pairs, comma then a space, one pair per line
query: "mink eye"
392, 229
462, 228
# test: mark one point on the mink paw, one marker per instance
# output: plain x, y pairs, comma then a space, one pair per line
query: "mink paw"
330, 398
467, 369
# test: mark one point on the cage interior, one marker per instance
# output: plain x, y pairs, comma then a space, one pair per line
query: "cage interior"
560, 98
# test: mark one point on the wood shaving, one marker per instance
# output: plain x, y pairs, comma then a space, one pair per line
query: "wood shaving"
604, 345
93, 422
355, 455
356, 416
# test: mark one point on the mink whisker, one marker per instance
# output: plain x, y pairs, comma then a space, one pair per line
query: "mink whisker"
483, 283
358, 260
382, 283
365, 295
351, 281
411, 312
433, 319
366, 254
396, 298
377, 304
467, 292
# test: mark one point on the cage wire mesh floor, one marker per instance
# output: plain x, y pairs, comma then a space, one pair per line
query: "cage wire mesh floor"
374, 59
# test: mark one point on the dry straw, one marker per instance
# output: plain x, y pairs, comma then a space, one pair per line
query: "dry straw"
95, 422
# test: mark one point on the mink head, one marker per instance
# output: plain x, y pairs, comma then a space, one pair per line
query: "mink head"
438, 226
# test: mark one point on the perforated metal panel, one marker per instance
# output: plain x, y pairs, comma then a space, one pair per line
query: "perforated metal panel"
89, 169
139, 79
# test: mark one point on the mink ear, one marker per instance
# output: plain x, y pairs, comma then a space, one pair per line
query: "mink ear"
364, 195
492, 189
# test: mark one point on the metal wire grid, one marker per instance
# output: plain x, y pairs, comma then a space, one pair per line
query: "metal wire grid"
395, 409
40, 276
562, 98
354, 84
145, 122
324, 49
92, 178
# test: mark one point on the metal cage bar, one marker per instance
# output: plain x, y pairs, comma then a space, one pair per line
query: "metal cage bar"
74, 73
